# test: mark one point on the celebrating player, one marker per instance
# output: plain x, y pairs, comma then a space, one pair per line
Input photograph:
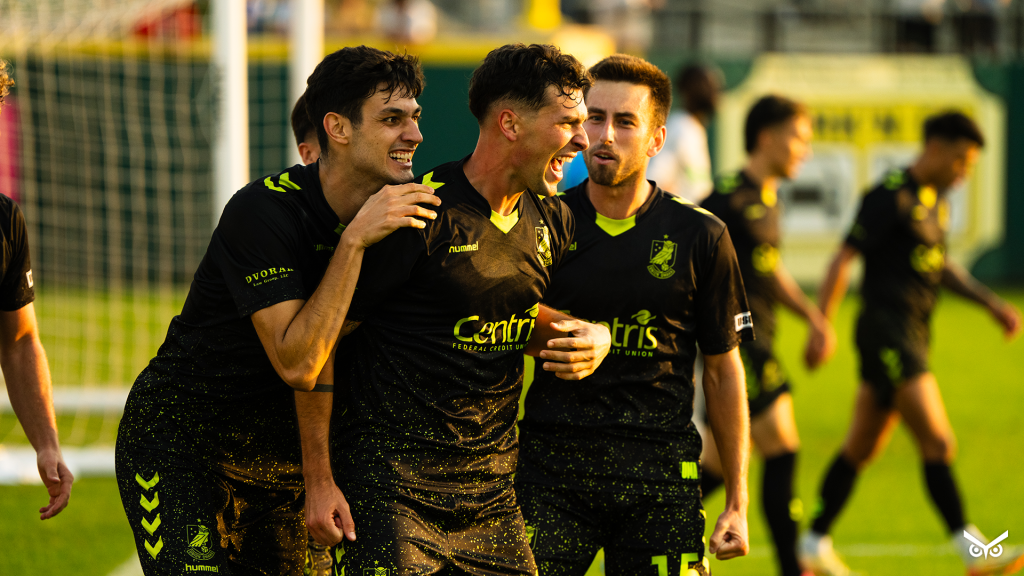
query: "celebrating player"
428, 446
900, 231
612, 462
208, 460
22, 358
777, 136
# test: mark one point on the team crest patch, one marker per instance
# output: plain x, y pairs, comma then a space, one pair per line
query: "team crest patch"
376, 572
198, 542
663, 257
543, 245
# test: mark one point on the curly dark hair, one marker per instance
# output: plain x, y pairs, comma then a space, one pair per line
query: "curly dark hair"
522, 74
634, 70
953, 125
343, 80
5, 81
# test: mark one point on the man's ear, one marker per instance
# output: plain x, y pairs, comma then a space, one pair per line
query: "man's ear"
338, 128
657, 141
509, 124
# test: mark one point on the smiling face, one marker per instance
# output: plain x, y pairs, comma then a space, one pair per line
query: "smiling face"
622, 138
387, 137
550, 137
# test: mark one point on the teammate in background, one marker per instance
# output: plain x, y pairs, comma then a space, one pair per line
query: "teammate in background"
777, 138
428, 447
684, 166
22, 357
613, 462
305, 133
208, 458
318, 557
900, 231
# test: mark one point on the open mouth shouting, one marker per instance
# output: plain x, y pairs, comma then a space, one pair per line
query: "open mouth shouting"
557, 164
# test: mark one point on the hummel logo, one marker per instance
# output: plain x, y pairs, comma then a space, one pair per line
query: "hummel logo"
977, 548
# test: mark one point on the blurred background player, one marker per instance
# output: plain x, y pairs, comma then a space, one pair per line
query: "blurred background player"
427, 450
305, 132
318, 559
207, 458
900, 231
613, 462
22, 358
683, 167
777, 137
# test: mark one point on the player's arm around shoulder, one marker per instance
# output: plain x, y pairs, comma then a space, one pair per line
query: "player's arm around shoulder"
572, 348
726, 396
298, 335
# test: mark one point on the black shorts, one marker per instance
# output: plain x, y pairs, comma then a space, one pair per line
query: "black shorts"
892, 349
642, 534
766, 380
187, 516
407, 532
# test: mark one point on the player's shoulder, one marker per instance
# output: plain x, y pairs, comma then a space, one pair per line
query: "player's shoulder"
274, 197
687, 215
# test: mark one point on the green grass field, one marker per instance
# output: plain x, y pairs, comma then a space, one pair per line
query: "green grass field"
888, 529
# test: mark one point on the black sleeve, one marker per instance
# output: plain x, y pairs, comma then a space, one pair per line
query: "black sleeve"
387, 265
875, 220
256, 247
566, 233
16, 286
723, 316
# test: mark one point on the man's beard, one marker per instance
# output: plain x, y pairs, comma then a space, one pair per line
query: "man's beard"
609, 176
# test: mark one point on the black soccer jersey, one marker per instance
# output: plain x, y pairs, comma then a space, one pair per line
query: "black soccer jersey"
901, 229
272, 244
751, 212
15, 265
662, 281
434, 373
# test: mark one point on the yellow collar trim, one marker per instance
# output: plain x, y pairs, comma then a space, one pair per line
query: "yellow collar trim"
615, 227
505, 223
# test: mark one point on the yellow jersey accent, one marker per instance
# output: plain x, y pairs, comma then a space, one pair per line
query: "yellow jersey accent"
428, 182
615, 227
504, 223
927, 196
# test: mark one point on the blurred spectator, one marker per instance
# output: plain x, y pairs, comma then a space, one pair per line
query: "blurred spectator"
408, 21
349, 16
683, 167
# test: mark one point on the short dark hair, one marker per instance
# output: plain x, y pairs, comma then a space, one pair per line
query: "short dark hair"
634, 70
768, 112
699, 86
343, 80
302, 126
5, 81
953, 125
522, 74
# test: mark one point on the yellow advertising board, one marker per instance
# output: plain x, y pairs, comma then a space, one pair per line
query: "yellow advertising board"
868, 114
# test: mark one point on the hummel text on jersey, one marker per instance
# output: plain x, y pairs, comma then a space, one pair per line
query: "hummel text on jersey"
464, 248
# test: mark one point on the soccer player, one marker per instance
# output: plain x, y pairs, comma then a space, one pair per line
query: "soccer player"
208, 456
900, 232
22, 357
426, 451
612, 461
777, 137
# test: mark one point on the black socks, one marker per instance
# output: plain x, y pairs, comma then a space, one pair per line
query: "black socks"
777, 491
835, 491
945, 495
